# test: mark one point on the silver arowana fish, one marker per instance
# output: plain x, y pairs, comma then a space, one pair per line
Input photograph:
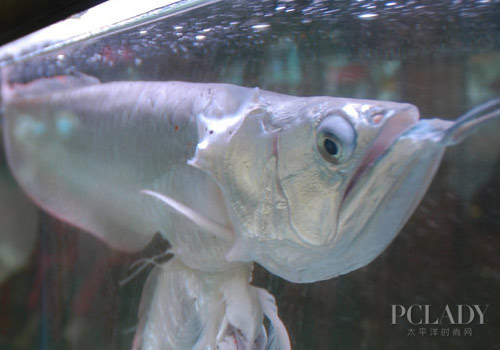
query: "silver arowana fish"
308, 187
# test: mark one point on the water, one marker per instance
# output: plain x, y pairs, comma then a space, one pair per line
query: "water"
442, 56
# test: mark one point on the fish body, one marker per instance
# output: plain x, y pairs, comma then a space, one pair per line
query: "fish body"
249, 161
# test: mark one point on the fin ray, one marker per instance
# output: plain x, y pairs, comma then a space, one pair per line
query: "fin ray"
202, 221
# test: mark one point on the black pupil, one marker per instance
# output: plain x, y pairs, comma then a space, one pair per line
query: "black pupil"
331, 147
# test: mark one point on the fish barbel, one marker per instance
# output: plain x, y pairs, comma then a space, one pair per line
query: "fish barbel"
308, 187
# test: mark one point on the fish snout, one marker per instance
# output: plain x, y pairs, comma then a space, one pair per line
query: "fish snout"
396, 121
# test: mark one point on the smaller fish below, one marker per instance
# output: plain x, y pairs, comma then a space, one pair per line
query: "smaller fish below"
186, 309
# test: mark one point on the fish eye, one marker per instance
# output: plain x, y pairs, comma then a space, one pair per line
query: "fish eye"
331, 147
336, 139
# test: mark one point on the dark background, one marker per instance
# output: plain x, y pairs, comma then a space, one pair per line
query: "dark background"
21, 17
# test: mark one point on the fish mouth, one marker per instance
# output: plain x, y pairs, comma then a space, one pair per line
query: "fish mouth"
394, 127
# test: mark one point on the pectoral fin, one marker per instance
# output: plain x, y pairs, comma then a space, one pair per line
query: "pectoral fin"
202, 221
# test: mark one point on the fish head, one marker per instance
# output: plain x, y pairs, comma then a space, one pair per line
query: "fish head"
316, 187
